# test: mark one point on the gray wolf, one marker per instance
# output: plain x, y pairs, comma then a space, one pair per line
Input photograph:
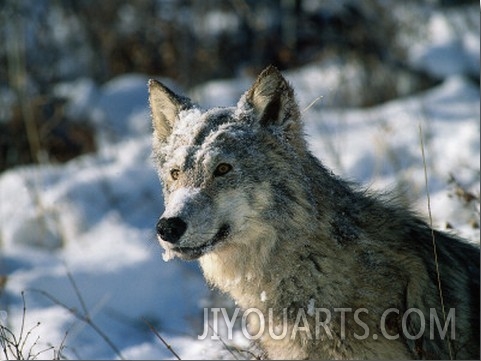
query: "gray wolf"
275, 229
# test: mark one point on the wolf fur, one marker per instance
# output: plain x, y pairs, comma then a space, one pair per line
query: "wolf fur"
275, 229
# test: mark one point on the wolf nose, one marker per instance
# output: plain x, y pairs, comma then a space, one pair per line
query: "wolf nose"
171, 229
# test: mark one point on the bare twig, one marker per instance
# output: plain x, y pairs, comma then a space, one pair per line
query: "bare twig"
157, 334
77, 292
223, 342
82, 317
15, 346
57, 354
230, 347
433, 236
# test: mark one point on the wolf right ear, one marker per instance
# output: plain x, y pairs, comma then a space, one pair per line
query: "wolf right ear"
273, 102
165, 106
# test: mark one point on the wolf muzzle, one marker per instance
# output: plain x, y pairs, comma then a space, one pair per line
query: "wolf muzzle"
171, 229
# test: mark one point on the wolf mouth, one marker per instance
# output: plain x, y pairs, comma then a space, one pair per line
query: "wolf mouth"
190, 253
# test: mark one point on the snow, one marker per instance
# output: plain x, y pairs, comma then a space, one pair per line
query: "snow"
451, 45
79, 239
311, 307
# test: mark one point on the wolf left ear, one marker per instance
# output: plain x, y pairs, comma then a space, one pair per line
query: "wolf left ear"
272, 99
165, 106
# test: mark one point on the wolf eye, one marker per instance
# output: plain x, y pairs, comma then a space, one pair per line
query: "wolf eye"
222, 169
174, 173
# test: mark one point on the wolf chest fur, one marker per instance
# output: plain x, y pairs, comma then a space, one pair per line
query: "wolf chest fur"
275, 229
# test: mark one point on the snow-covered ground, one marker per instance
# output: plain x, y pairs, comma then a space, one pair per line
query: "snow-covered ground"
79, 240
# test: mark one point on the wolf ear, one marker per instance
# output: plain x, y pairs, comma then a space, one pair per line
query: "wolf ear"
165, 106
272, 99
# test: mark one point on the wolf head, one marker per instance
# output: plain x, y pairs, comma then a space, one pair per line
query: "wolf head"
223, 170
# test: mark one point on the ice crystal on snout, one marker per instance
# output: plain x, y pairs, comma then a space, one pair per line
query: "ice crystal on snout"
168, 255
